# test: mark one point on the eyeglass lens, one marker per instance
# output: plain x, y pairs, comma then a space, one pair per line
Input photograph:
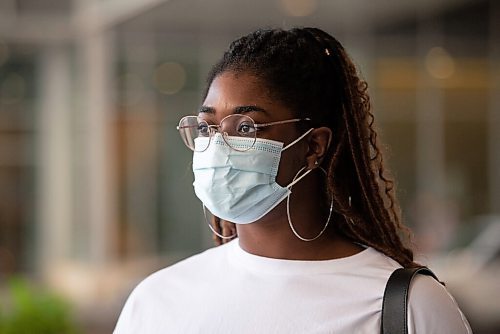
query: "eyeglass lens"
192, 128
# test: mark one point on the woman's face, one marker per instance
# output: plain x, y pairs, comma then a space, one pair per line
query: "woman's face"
242, 92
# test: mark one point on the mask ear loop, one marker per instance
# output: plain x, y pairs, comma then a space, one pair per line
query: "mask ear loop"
297, 140
295, 180
213, 230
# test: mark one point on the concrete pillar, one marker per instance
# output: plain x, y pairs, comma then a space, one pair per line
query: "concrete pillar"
430, 136
54, 156
98, 203
494, 110
432, 216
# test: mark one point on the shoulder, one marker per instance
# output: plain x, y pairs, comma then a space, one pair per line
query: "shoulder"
190, 268
432, 309
172, 286
179, 277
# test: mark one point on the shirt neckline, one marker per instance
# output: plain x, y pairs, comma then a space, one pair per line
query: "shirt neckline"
260, 264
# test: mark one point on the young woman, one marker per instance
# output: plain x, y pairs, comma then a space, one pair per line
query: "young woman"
286, 159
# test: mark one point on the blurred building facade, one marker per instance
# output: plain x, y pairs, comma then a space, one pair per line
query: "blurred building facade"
95, 184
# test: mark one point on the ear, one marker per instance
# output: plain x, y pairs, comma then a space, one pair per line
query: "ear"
319, 140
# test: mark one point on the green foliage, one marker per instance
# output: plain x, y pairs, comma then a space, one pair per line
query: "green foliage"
32, 311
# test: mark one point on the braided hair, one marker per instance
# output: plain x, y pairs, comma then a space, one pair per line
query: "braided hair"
309, 71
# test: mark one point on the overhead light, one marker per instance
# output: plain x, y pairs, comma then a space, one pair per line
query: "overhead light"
299, 8
169, 78
439, 63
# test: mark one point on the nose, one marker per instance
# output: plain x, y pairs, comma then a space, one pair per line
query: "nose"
229, 125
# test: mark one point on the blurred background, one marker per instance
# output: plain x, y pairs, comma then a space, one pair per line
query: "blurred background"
95, 183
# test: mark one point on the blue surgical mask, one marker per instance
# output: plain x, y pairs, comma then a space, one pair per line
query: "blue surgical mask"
240, 187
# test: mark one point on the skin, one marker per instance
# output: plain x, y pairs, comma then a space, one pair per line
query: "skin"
271, 236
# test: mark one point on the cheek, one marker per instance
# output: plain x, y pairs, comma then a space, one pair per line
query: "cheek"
292, 160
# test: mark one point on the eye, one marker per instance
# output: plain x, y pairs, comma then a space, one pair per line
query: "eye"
203, 129
246, 128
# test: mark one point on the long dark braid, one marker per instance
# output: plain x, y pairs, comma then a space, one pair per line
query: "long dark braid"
309, 71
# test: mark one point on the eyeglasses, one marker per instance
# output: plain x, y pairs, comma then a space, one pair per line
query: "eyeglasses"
237, 125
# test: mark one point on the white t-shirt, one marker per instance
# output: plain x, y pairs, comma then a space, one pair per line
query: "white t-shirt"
227, 290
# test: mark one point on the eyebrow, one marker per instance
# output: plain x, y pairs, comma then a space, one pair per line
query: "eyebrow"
237, 110
245, 109
205, 109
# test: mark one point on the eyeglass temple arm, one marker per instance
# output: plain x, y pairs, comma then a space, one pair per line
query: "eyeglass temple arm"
282, 122
190, 126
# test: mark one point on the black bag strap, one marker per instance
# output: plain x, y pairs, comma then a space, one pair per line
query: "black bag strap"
395, 303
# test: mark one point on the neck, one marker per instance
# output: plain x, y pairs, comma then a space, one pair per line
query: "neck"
272, 237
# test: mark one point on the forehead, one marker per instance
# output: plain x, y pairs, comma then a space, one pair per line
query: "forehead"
237, 86
231, 90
